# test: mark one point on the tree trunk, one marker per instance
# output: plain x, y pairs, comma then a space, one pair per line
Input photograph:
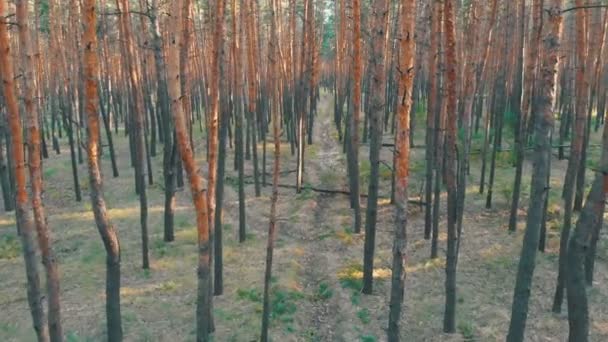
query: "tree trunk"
274, 57
354, 117
25, 224
106, 229
531, 58
238, 126
35, 170
199, 193
378, 86
575, 153
539, 188
449, 320
402, 151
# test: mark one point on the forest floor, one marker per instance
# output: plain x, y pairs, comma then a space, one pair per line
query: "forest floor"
318, 259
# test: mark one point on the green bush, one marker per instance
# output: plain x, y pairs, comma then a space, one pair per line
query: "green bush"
9, 246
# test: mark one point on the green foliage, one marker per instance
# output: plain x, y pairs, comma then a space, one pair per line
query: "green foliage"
367, 338
355, 298
364, 316
232, 182
93, 254
43, 14
329, 33
168, 286
9, 246
510, 121
505, 159
146, 273
384, 172
306, 192
420, 111
350, 277
500, 264
252, 295
324, 291
282, 301
592, 164
73, 336
160, 248
312, 151
182, 222
467, 330
49, 172
417, 166
329, 178
8, 328
283, 304
506, 191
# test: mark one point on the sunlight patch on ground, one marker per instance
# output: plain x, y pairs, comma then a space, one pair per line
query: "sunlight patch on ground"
115, 213
492, 251
187, 234
602, 327
384, 201
167, 286
426, 265
168, 264
7, 222
357, 273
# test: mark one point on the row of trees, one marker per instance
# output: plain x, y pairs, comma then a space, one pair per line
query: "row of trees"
492, 68
258, 76
241, 70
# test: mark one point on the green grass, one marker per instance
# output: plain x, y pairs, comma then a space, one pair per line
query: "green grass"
9, 246
75, 337
306, 193
283, 303
467, 330
350, 279
364, 316
252, 295
8, 328
93, 254
168, 286
385, 172
324, 291
50, 172
367, 338
329, 178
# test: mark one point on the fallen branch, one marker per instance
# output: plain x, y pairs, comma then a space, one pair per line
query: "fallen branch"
324, 191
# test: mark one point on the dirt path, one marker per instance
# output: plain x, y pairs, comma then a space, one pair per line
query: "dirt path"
322, 254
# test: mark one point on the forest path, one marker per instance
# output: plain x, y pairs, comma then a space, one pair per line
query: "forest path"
323, 253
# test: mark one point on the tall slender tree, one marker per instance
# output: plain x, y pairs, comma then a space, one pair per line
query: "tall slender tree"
28, 64
107, 230
197, 187
355, 116
25, 224
274, 60
575, 151
544, 121
377, 95
136, 84
449, 27
406, 73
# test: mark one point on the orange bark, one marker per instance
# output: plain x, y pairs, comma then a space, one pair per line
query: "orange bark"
106, 229
25, 224
197, 186
35, 169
